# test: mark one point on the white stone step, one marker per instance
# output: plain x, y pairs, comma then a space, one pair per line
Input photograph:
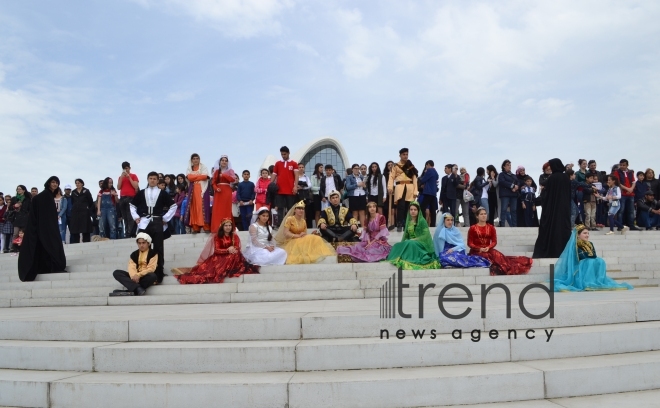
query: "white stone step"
327, 354
647, 399
21, 388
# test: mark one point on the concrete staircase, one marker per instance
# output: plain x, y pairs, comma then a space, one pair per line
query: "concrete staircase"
303, 336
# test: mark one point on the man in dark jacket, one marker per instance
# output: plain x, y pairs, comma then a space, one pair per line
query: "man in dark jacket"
334, 183
429, 181
448, 193
649, 211
508, 186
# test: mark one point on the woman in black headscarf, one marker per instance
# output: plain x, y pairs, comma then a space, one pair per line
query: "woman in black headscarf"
42, 250
555, 226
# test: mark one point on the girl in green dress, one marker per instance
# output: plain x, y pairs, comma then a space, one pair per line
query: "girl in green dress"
415, 251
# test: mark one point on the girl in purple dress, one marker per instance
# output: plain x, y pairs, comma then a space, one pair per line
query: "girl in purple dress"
373, 246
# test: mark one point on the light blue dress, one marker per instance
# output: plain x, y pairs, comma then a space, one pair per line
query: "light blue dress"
580, 269
445, 239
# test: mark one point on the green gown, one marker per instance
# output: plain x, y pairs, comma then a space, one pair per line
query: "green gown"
415, 251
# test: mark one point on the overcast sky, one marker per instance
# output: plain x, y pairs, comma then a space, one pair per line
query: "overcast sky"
87, 84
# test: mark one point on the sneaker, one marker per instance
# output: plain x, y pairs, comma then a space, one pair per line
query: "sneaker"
14, 254
609, 233
595, 229
600, 226
625, 229
634, 228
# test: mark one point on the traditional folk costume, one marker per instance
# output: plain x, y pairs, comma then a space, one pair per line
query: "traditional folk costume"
142, 264
308, 249
222, 181
216, 263
373, 246
261, 237
403, 183
41, 250
415, 251
445, 239
198, 213
149, 206
338, 226
486, 237
580, 269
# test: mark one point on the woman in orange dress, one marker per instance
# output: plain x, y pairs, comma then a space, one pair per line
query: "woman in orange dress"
220, 259
482, 239
198, 213
223, 180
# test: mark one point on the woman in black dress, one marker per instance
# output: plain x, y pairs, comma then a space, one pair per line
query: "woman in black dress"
81, 213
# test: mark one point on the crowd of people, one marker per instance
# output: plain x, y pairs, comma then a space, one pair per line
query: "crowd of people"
350, 216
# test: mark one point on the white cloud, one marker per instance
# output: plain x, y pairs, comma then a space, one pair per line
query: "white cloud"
180, 96
235, 18
551, 107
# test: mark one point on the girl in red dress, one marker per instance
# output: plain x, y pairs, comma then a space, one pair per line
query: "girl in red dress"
223, 182
220, 259
482, 239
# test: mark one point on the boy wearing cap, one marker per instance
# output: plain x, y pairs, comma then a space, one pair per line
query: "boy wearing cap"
334, 225
142, 266
649, 211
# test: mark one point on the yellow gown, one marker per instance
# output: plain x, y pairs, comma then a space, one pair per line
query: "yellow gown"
306, 250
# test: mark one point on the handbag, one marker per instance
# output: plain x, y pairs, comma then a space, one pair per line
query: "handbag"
467, 196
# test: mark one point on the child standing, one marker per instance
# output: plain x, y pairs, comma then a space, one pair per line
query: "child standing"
575, 206
640, 190
613, 197
245, 196
528, 194
261, 188
590, 198
178, 199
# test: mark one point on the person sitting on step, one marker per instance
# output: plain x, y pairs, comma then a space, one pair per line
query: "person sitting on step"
334, 224
142, 266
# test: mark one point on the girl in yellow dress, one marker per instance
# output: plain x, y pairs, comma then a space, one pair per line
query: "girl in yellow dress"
301, 248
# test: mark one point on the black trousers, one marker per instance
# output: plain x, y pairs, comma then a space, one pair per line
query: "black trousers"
430, 202
75, 238
155, 231
449, 206
283, 203
338, 234
129, 222
124, 278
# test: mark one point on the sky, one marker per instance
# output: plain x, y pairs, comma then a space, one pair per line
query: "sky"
87, 84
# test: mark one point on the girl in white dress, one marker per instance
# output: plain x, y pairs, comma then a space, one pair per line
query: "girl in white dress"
261, 249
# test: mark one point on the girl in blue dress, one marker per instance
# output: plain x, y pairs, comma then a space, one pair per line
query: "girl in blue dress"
450, 247
580, 269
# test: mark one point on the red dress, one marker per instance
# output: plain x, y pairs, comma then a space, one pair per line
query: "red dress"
486, 237
221, 264
221, 199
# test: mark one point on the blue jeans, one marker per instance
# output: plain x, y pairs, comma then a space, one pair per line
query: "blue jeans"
179, 228
484, 203
108, 223
574, 213
511, 215
626, 214
246, 216
649, 220
62, 227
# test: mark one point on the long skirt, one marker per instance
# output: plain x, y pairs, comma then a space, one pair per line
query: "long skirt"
505, 265
216, 268
412, 255
591, 276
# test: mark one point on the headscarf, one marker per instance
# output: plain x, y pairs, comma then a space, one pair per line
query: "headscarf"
557, 166
201, 170
229, 170
519, 169
421, 230
447, 235
47, 183
280, 238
